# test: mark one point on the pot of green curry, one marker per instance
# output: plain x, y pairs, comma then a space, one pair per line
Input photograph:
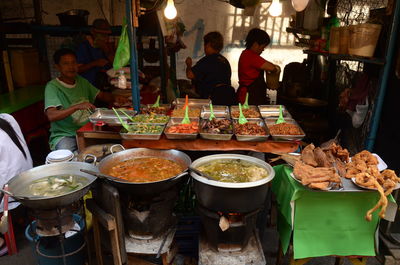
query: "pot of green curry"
239, 184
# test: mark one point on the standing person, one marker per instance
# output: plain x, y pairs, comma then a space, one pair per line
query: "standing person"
252, 67
95, 55
212, 73
69, 101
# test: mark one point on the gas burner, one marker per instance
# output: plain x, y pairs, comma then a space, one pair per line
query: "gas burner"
252, 253
52, 222
147, 218
160, 244
227, 232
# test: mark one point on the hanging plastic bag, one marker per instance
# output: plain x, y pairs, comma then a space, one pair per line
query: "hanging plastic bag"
358, 116
123, 54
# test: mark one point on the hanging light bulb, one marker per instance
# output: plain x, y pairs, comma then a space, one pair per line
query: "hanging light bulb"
170, 10
275, 9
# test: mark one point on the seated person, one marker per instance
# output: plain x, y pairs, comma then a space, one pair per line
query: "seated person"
96, 54
212, 73
69, 100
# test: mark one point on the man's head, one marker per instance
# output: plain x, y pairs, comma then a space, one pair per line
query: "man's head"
257, 40
100, 30
213, 42
65, 61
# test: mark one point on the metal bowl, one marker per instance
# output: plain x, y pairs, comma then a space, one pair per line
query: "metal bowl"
18, 184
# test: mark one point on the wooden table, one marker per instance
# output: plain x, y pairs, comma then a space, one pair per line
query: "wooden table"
87, 136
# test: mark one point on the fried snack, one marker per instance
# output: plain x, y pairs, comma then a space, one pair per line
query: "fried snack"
285, 129
307, 155
381, 203
248, 113
316, 177
180, 113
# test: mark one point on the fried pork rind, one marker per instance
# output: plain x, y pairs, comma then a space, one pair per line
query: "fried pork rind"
316, 177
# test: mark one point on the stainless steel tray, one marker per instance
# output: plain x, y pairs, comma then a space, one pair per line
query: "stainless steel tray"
190, 107
271, 121
181, 136
108, 116
241, 137
166, 106
215, 136
271, 111
236, 108
193, 102
159, 123
142, 136
219, 112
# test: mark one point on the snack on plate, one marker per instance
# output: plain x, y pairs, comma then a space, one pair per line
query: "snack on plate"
190, 128
363, 168
285, 129
321, 178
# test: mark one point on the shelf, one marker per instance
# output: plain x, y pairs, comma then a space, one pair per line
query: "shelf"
303, 31
347, 57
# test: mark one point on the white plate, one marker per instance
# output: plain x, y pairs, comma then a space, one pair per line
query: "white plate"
381, 164
299, 181
58, 155
355, 183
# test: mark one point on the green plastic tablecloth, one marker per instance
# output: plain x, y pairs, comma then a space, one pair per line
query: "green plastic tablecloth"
324, 223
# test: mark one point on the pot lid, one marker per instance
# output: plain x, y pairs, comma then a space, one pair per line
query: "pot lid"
299, 5
59, 155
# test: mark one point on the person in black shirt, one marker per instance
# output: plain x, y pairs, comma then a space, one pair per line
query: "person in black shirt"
212, 73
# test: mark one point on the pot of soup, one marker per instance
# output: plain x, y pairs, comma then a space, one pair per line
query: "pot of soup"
145, 172
238, 184
53, 185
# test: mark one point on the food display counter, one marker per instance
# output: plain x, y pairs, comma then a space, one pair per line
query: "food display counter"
88, 135
324, 223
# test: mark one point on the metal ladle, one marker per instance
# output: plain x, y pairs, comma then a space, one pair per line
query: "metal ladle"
201, 173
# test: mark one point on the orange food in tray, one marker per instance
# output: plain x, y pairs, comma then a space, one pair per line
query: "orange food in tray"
190, 128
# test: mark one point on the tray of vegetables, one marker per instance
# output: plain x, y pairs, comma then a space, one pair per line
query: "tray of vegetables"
253, 130
142, 131
176, 130
216, 129
151, 119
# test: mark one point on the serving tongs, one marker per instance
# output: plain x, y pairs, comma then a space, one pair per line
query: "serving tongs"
280, 118
212, 116
124, 124
186, 119
242, 118
103, 176
157, 104
246, 102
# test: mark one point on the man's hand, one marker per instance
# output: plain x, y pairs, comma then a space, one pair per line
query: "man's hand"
189, 62
100, 62
83, 106
121, 100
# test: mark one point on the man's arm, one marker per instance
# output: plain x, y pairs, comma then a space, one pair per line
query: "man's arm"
110, 98
54, 114
270, 67
85, 67
189, 72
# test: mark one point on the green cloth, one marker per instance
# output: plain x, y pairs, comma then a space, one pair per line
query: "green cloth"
60, 96
325, 223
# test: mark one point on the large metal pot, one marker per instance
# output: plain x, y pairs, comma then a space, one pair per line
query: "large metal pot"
231, 197
18, 185
145, 188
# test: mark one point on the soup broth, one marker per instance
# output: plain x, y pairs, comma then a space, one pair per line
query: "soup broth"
56, 185
233, 170
146, 169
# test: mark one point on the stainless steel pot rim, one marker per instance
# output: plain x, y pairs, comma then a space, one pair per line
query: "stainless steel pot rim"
254, 160
75, 165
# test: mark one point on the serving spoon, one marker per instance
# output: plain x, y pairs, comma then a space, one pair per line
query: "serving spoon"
280, 119
18, 197
201, 173
103, 176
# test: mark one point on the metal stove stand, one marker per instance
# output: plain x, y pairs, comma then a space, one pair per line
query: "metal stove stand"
251, 254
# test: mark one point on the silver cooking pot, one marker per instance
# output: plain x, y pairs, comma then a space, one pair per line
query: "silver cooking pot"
18, 185
145, 188
227, 196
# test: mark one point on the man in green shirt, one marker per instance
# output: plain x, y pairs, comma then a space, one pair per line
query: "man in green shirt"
69, 100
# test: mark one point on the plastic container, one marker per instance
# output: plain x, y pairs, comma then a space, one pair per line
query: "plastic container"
363, 39
334, 40
47, 250
344, 40
272, 79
